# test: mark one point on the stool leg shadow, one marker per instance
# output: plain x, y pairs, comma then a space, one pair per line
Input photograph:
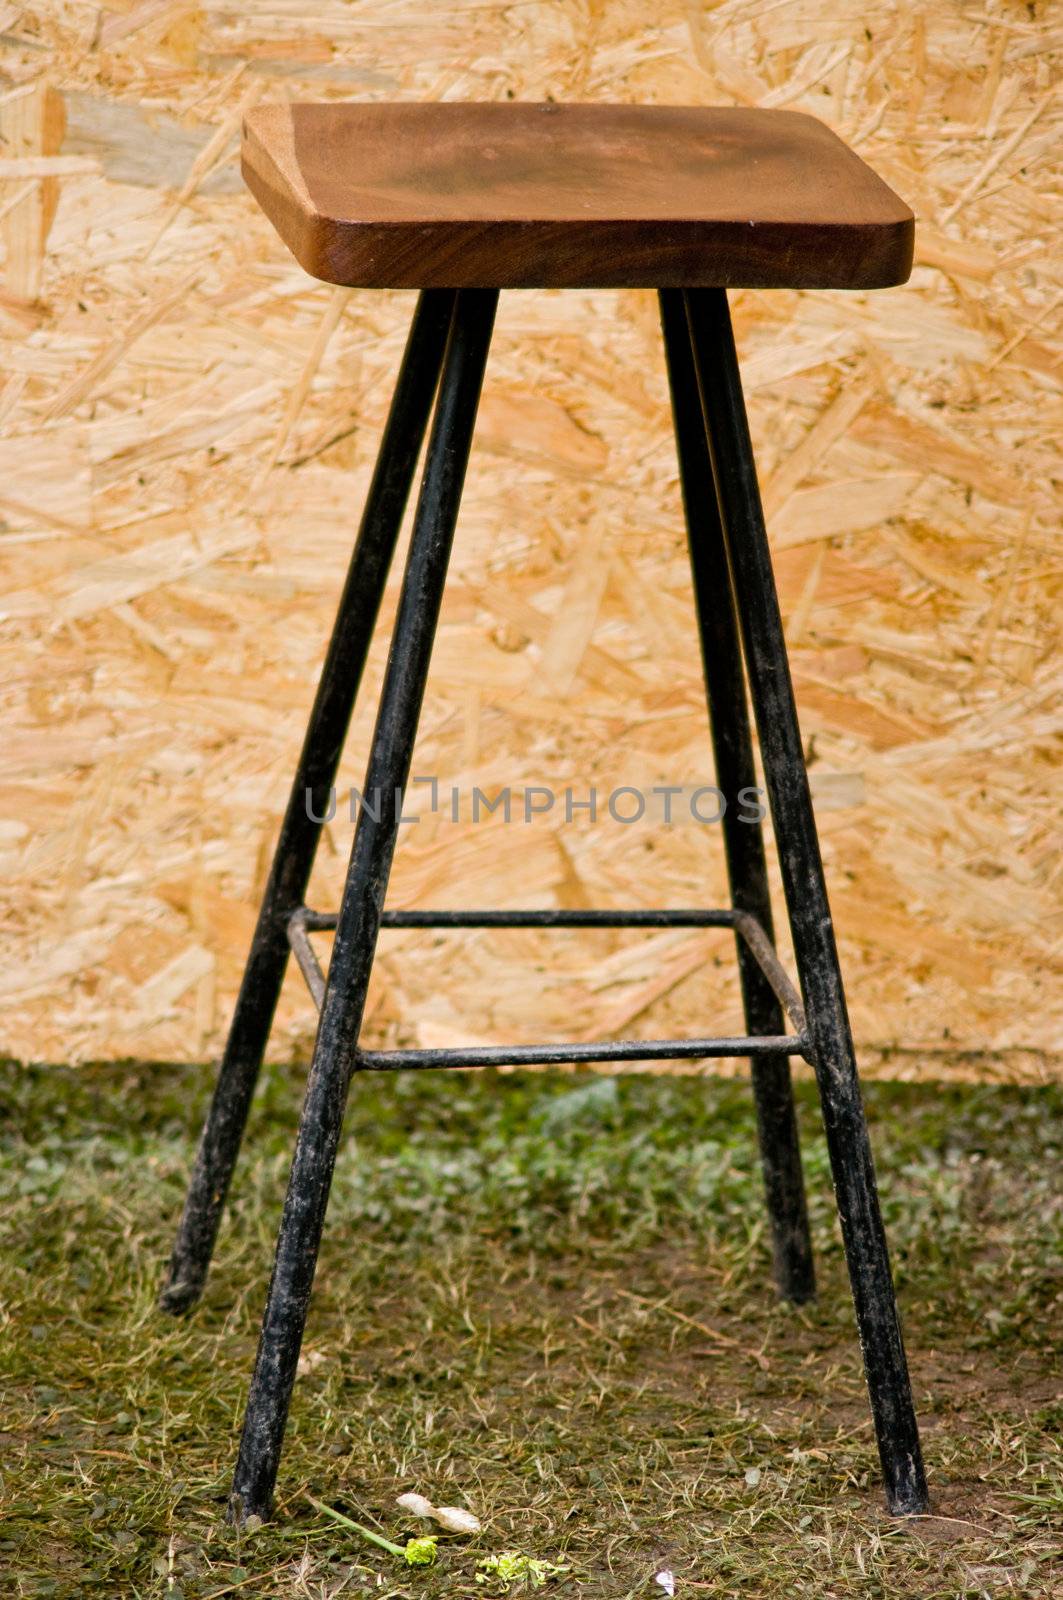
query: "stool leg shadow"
300, 831
336, 1048
757, 606
780, 1153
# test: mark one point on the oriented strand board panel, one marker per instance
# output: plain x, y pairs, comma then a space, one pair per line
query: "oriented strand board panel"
188, 422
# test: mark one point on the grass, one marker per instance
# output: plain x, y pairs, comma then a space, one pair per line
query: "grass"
544, 1298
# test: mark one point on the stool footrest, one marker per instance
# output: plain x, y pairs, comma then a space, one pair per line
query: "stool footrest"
304, 921
548, 1055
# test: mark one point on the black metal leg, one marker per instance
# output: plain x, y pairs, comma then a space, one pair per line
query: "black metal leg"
294, 856
753, 581
780, 1152
336, 1048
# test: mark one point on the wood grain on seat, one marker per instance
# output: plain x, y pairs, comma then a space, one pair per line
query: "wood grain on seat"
519, 195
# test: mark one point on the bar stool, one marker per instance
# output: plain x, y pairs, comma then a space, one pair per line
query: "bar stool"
459, 201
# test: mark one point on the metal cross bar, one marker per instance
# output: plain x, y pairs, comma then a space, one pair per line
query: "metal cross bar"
550, 1055
305, 921
682, 918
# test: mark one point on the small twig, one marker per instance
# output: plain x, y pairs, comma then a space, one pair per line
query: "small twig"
258, 1577
702, 1327
961, 1522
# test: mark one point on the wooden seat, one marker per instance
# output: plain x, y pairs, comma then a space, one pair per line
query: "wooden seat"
519, 195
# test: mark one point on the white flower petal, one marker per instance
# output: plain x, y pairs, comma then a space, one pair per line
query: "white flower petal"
455, 1520
416, 1504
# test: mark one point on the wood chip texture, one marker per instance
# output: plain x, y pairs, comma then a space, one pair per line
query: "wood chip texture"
187, 424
